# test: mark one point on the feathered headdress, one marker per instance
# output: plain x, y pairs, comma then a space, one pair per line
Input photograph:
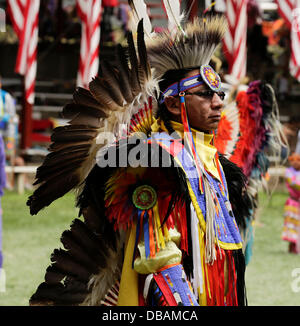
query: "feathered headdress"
191, 46
125, 94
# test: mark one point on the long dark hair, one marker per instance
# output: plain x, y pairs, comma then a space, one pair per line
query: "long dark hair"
169, 78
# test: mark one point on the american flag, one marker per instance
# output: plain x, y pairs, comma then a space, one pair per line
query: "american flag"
24, 17
235, 40
290, 12
89, 12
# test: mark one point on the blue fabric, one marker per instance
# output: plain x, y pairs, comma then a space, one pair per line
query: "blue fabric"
183, 85
178, 284
146, 235
226, 228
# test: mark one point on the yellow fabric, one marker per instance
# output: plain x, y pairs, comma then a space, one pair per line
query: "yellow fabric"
171, 254
158, 227
205, 150
128, 293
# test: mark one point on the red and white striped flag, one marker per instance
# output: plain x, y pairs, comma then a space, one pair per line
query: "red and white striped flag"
289, 10
235, 40
89, 12
24, 16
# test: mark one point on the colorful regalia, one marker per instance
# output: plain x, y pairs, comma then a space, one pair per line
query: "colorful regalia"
291, 228
8, 122
248, 134
159, 213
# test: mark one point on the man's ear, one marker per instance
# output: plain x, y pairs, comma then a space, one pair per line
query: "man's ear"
173, 105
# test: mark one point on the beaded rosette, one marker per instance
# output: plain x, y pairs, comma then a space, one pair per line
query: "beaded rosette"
210, 77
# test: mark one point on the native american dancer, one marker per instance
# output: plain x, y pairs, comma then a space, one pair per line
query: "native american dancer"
291, 228
162, 210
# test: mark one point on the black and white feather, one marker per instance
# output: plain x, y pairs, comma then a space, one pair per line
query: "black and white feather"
192, 48
111, 101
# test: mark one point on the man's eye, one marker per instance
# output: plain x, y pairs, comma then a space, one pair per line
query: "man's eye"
221, 95
207, 94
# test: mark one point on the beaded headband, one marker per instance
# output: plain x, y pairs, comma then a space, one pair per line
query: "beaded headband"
207, 75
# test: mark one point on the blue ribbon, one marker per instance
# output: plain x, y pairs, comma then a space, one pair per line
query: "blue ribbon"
146, 234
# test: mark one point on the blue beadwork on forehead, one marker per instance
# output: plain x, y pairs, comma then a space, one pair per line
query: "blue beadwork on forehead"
207, 76
182, 86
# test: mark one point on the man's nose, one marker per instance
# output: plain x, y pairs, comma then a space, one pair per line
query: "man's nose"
216, 102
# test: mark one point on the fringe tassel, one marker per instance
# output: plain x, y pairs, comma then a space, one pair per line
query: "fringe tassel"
197, 270
146, 235
210, 253
190, 140
231, 296
158, 227
151, 234
184, 229
223, 280
111, 298
138, 232
240, 267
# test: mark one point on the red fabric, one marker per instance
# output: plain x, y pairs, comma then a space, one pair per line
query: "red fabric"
36, 137
163, 286
141, 286
224, 134
24, 16
110, 3
42, 124
231, 296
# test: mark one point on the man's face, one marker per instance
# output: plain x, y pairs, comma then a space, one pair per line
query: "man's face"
204, 113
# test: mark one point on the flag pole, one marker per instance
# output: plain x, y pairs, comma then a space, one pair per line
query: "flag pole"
26, 120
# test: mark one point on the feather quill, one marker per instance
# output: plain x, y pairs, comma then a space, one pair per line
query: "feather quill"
172, 10
140, 11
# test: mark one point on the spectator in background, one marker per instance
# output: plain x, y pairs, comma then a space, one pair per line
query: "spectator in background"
8, 122
9, 130
291, 228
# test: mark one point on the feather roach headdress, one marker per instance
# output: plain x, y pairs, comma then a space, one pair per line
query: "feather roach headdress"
191, 46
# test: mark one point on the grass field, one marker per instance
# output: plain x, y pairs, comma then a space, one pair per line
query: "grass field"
29, 240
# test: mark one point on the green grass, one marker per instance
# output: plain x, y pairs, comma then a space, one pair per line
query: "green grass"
269, 275
29, 240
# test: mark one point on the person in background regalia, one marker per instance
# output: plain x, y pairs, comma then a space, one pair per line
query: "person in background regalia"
291, 228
